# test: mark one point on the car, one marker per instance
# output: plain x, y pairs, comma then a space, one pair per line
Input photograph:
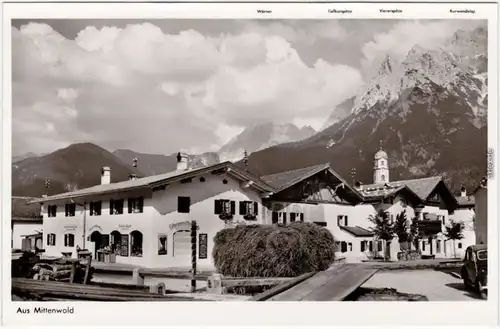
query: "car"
474, 270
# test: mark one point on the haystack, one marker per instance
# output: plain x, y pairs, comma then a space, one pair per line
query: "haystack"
273, 250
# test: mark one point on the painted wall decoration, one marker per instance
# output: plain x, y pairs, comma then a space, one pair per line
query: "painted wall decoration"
162, 244
203, 246
181, 226
95, 228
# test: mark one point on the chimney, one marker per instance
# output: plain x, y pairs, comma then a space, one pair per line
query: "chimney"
463, 192
182, 161
132, 176
105, 175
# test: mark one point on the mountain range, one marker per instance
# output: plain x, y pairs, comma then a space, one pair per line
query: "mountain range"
427, 111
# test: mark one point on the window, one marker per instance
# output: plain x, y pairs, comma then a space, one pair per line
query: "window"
383, 177
284, 218
116, 239
443, 219
460, 245
162, 244
379, 245
70, 209
337, 246
95, 208
438, 246
363, 246
292, 217
249, 209
301, 217
423, 245
52, 211
350, 246
226, 207
370, 246
342, 220
51, 239
136, 205
136, 244
69, 240
275, 217
116, 207
382, 163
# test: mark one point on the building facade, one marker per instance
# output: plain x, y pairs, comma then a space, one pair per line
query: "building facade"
147, 221
26, 224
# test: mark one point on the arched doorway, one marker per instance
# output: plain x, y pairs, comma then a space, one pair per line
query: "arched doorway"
96, 237
116, 239
136, 244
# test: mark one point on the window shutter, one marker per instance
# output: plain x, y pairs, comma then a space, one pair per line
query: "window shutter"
66, 209
65, 240
343, 246
48, 239
111, 206
54, 211
92, 207
140, 204
284, 218
233, 207
98, 208
362, 246
130, 201
53, 239
301, 217
339, 220
292, 217
217, 207
243, 210
71, 240
370, 246
346, 223
256, 208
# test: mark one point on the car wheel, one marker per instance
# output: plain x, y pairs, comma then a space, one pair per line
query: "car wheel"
482, 293
466, 280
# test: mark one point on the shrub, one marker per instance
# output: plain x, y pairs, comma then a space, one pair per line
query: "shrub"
273, 250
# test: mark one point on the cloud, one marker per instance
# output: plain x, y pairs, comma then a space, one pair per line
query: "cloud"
141, 88
398, 40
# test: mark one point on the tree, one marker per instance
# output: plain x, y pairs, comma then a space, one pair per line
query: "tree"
384, 229
401, 229
454, 231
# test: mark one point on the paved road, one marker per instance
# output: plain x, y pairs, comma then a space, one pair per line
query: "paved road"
436, 285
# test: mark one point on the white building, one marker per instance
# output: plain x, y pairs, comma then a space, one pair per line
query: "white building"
26, 224
466, 215
147, 221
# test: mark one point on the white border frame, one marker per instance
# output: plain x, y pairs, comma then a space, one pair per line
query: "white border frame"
237, 313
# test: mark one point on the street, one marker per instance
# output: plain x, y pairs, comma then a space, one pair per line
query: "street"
436, 285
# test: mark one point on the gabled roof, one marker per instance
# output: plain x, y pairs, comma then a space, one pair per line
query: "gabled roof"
357, 231
283, 180
24, 211
156, 180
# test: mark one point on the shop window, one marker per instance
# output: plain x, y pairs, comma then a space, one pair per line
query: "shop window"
162, 244
136, 244
116, 207
135, 205
69, 240
95, 208
183, 204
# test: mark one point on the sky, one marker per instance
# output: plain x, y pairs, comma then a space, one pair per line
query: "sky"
160, 86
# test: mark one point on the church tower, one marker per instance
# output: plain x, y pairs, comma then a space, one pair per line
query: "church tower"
381, 168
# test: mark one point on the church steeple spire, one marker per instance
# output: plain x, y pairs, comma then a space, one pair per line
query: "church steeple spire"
381, 167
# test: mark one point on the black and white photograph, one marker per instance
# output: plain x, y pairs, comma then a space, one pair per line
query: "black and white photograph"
250, 160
